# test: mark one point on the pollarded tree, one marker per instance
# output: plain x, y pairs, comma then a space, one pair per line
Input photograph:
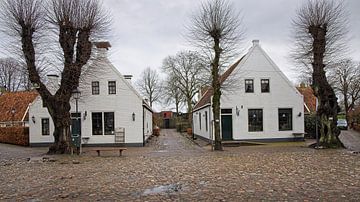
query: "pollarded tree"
32, 23
320, 30
216, 30
150, 85
188, 71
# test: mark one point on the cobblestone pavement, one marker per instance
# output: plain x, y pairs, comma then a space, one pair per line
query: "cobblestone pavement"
277, 172
350, 139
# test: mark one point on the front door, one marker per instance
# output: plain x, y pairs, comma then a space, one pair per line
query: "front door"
226, 127
76, 129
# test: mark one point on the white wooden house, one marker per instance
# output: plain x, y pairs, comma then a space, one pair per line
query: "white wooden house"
111, 110
258, 103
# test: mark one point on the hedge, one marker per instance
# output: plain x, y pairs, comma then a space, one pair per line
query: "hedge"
15, 135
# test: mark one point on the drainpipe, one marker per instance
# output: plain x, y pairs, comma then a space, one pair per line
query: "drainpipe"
143, 122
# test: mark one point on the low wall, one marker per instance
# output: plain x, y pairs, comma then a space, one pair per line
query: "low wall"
15, 135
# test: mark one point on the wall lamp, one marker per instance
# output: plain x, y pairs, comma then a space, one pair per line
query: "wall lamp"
33, 119
237, 111
133, 116
85, 115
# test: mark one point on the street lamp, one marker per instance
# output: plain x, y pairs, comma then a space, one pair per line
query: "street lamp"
76, 94
13, 111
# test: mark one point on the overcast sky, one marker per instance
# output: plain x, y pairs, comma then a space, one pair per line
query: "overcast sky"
146, 31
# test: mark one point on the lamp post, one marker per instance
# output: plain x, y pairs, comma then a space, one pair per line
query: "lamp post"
76, 94
13, 110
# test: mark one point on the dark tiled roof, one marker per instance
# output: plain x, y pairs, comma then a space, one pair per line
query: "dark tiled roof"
309, 98
206, 98
18, 101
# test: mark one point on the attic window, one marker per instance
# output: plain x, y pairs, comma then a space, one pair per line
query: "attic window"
249, 85
95, 87
112, 87
265, 85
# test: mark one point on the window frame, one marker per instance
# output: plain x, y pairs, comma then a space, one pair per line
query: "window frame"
252, 84
95, 89
109, 132
261, 85
206, 121
43, 127
290, 118
111, 88
200, 120
101, 122
255, 128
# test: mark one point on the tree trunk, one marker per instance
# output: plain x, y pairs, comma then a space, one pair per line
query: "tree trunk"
60, 113
346, 105
328, 106
189, 110
217, 95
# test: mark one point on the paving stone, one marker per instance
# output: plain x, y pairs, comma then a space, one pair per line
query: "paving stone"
246, 173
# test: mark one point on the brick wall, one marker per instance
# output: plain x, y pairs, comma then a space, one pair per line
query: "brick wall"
15, 135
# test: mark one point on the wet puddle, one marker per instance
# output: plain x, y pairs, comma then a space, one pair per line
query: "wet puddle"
163, 189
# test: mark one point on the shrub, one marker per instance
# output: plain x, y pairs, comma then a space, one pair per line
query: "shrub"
310, 126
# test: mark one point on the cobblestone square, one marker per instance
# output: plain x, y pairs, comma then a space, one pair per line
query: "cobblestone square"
172, 168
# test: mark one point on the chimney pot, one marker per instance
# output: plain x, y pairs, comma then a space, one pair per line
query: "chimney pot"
255, 42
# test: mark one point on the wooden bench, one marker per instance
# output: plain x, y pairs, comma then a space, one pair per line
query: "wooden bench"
120, 149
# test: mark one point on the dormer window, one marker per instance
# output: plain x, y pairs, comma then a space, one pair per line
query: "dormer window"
95, 88
249, 85
265, 85
112, 87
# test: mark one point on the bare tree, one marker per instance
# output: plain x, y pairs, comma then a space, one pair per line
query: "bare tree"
320, 34
172, 93
11, 75
150, 85
75, 24
216, 31
188, 71
345, 76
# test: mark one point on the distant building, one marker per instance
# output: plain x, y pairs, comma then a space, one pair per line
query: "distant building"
165, 119
309, 98
14, 108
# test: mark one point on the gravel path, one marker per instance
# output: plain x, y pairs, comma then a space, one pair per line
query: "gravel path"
184, 172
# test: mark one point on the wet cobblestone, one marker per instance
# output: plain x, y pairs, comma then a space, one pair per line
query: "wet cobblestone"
186, 172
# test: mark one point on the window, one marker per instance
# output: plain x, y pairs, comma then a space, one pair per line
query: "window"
206, 121
95, 87
285, 119
200, 120
249, 85
226, 111
112, 87
97, 123
265, 85
45, 126
43, 103
99, 127
255, 120
109, 123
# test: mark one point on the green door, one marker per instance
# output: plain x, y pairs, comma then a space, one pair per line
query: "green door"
76, 129
226, 127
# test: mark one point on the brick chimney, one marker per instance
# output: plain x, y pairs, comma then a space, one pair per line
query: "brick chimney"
256, 42
128, 78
